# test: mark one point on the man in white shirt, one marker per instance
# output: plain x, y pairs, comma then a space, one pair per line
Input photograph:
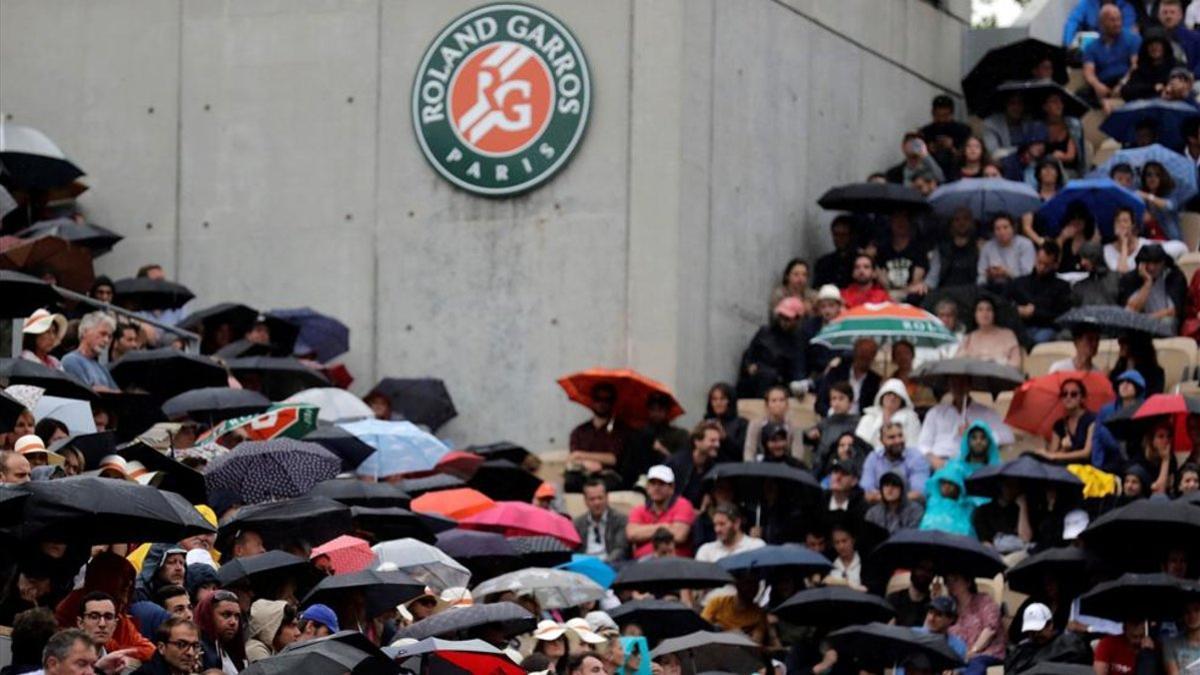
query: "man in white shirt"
1087, 343
941, 433
727, 522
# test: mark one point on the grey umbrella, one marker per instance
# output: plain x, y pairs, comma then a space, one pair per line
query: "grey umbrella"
511, 617
554, 589
1111, 319
983, 375
708, 650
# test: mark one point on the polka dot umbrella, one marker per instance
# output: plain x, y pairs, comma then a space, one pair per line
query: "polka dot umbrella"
260, 471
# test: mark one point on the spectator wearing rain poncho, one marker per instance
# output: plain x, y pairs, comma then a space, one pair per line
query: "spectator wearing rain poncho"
979, 448
947, 506
892, 404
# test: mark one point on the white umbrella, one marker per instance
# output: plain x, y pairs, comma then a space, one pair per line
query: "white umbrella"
33, 159
335, 405
76, 414
554, 589
427, 564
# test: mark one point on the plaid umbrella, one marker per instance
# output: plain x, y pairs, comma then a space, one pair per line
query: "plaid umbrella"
260, 471
885, 321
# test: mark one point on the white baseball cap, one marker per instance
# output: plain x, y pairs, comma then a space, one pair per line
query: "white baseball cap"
829, 292
1035, 618
661, 472
1074, 522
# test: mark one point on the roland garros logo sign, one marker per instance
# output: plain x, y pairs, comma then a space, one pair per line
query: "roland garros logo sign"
501, 99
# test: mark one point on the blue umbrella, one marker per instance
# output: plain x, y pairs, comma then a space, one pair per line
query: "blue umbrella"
792, 558
1168, 116
400, 447
1182, 170
1101, 197
591, 567
320, 334
985, 198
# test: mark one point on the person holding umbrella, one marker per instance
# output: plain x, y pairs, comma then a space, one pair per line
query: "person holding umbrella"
1157, 288
1072, 435
1125, 653
596, 445
947, 425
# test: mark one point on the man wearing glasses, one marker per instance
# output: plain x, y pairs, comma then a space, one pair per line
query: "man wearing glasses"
178, 649
98, 618
601, 529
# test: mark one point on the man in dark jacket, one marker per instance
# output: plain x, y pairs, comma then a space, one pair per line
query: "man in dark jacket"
1041, 296
1043, 643
178, 649
835, 267
776, 354
601, 529
1156, 288
1100, 286
856, 370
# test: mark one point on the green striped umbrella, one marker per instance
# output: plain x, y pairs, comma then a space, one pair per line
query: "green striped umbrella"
887, 321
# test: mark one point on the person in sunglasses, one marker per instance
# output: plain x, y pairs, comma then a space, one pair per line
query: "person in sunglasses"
1071, 438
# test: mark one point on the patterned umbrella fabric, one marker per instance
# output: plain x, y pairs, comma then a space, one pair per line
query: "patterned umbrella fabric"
427, 564
516, 519
633, 391
346, 554
554, 589
281, 420
400, 448
334, 405
1036, 405
985, 198
1182, 170
885, 321
1112, 320
319, 334
261, 471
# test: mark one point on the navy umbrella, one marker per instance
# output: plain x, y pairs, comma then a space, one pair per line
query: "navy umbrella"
950, 553
146, 294
1111, 319
984, 198
350, 448
1013, 61
22, 295
167, 372
276, 377
1032, 473
873, 198
510, 617
664, 575
1139, 596
1100, 196
54, 382
438, 481
260, 471
319, 334
792, 559
1139, 535
1181, 169
1067, 564
210, 405
502, 480
312, 519
1167, 117
834, 607
98, 240
424, 401
877, 646
354, 492
383, 590
659, 619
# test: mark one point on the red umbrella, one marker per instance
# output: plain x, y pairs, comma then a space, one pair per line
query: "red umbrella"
1175, 406
347, 554
477, 662
517, 519
459, 463
633, 389
457, 503
1036, 405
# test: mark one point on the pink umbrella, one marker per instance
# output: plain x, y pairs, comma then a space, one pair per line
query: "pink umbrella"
346, 554
518, 519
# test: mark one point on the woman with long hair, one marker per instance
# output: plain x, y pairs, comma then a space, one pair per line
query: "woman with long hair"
1157, 459
1137, 353
722, 408
793, 284
1071, 438
219, 618
978, 624
41, 333
989, 341
974, 158
1050, 179
1162, 213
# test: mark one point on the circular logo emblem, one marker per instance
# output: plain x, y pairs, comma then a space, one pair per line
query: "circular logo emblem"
501, 99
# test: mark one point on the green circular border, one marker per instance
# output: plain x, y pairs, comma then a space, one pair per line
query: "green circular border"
567, 153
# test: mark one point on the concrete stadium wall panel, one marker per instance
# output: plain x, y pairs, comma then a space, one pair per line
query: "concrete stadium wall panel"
101, 80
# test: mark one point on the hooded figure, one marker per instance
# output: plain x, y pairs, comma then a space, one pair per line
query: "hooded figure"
948, 508
149, 580
266, 616
1150, 71
902, 515
1107, 454
148, 616
114, 575
873, 417
968, 463
199, 574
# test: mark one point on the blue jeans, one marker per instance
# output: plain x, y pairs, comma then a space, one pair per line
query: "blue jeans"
1039, 335
979, 665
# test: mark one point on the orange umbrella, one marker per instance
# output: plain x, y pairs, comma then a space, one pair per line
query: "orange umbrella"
458, 503
633, 389
1036, 405
71, 264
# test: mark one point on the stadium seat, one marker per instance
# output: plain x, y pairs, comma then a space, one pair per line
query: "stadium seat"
554, 463
1177, 356
574, 504
1189, 226
1188, 264
1105, 150
1037, 363
1092, 120
623, 501
802, 413
1075, 79
752, 409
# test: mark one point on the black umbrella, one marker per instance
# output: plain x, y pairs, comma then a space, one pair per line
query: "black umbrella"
438, 481
276, 377
501, 450
92, 510
173, 476
167, 372
260, 471
31, 160
312, 519
834, 607
1035, 93
509, 616
749, 476
1067, 564
210, 405
353, 492
240, 318
146, 294
541, 551
94, 447
352, 450
131, 412
982, 375
1014, 61
1110, 319
388, 523
1056, 668
22, 295
12, 505
792, 559
659, 619
877, 646
950, 553
10, 410
383, 589
54, 382
664, 575
422, 400
1032, 473
1139, 596
243, 348
709, 650
502, 480
1139, 535
873, 198
330, 655
265, 567
98, 240
486, 554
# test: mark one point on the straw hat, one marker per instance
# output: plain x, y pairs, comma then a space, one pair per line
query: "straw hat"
41, 321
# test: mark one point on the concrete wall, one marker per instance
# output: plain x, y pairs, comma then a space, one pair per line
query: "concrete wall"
263, 151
